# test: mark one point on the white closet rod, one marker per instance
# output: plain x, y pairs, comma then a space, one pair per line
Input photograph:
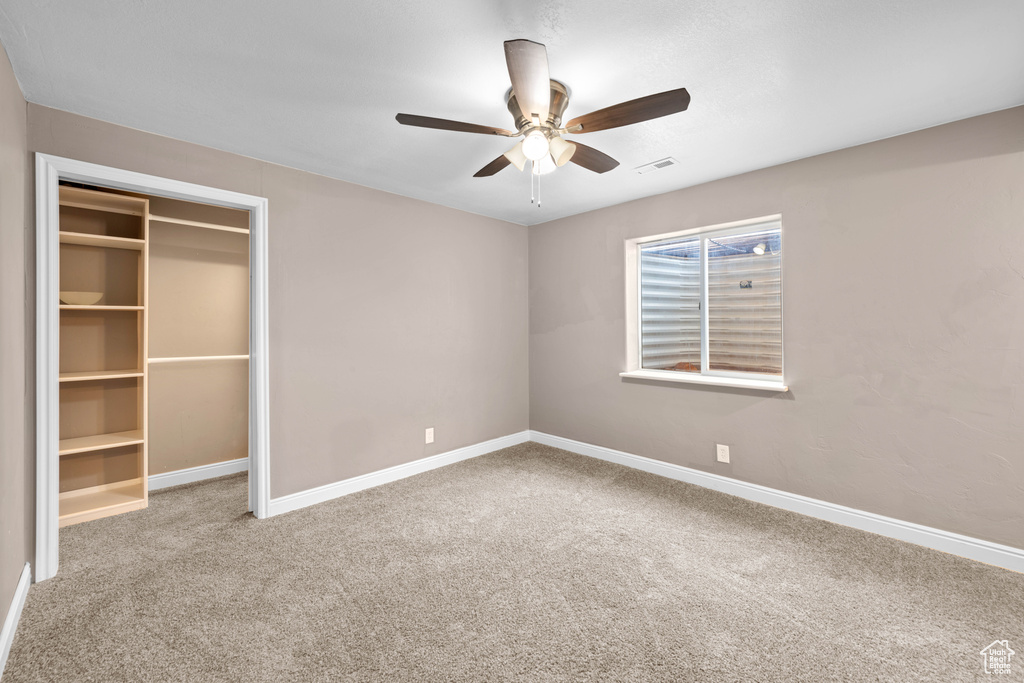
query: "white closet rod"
186, 359
196, 224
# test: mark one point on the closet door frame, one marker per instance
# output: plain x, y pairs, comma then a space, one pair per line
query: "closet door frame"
50, 170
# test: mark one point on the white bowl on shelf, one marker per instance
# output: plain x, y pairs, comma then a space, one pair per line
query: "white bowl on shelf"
80, 298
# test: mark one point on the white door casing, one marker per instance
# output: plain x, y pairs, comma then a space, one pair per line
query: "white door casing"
50, 170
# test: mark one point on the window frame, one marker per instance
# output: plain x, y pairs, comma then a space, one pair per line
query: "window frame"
634, 362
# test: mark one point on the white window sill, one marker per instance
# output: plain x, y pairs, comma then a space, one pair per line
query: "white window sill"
690, 378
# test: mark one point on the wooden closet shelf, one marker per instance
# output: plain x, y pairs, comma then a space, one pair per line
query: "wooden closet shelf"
82, 198
101, 307
98, 374
196, 224
99, 442
68, 237
94, 207
83, 505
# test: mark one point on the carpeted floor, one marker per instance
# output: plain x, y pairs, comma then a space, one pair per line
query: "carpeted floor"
528, 564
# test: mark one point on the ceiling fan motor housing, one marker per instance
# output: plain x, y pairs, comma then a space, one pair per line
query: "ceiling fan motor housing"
559, 101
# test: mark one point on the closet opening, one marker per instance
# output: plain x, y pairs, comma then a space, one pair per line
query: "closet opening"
151, 343
154, 347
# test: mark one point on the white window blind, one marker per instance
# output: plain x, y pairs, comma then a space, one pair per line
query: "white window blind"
711, 303
670, 306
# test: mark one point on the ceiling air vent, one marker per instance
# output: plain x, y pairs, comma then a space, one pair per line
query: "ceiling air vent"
656, 165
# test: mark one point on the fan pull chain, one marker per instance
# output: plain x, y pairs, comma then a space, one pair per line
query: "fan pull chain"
534, 189
532, 195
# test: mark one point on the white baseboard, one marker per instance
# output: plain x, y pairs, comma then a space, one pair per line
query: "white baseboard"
983, 551
187, 476
327, 492
13, 615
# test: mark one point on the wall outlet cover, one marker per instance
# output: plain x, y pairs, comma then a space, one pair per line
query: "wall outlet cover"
429, 437
722, 452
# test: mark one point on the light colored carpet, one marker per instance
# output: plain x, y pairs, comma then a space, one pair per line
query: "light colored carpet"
528, 564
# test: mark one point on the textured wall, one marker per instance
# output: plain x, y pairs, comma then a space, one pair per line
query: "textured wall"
388, 314
904, 331
16, 489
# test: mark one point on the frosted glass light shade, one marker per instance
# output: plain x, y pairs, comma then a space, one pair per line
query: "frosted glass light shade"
535, 145
561, 150
544, 165
516, 156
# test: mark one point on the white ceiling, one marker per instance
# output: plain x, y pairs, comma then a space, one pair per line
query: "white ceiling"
316, 84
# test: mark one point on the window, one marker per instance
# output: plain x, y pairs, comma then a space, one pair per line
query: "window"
706, 305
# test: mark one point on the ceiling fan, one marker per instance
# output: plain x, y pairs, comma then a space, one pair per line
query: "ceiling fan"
537, 103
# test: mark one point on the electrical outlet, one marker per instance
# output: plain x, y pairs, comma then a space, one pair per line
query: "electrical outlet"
429, 435
723, 453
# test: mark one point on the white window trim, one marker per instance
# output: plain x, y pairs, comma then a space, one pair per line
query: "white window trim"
710, 380
634, 370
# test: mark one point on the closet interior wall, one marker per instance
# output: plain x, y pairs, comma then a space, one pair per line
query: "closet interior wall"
198, 335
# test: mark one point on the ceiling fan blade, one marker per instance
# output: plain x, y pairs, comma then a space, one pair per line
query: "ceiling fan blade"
634, 111
528, 70
592, 160
446, 124
493, 167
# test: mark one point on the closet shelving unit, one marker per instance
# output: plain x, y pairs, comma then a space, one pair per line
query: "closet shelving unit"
102, 448
108, 241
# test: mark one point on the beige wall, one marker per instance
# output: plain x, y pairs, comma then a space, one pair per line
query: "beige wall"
904, 331
16, 441
198, 306
198, 414
388, 315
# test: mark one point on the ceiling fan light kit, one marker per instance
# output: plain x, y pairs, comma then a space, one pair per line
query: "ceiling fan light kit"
537, 103
516, 156
544, 165
535, 145
561, 150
